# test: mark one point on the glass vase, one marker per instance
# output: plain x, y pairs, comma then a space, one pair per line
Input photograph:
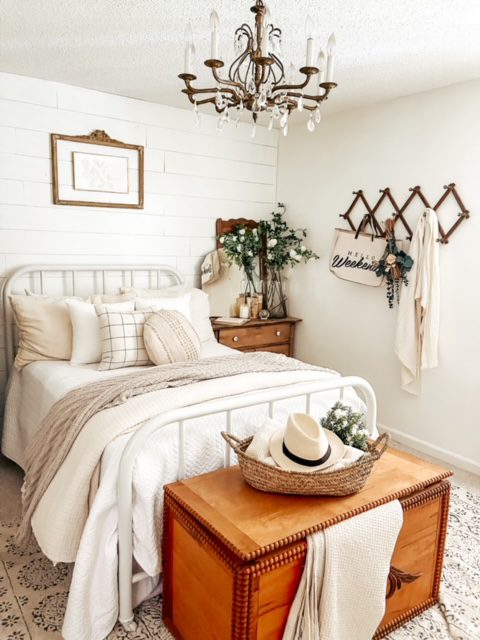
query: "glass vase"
250, 284
277, 295
251, 293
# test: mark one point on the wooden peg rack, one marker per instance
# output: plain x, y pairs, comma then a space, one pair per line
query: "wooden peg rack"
399, 212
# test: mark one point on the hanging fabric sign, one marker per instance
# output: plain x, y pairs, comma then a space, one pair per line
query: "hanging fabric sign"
354, 257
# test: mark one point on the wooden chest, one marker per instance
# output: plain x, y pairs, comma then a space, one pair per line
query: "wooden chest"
233, 556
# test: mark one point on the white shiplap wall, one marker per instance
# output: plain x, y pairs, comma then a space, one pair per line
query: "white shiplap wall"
192, 176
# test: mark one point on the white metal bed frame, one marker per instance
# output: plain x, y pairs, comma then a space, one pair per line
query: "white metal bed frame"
39, 273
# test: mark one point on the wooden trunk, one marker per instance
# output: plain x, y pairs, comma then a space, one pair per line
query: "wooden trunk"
233, 556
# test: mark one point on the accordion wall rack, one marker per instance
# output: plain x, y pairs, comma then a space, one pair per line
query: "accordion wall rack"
399, 214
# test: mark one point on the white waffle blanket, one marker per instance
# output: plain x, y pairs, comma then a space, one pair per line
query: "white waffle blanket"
341, 595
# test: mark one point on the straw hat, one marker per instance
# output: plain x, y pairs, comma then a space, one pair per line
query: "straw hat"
304, 445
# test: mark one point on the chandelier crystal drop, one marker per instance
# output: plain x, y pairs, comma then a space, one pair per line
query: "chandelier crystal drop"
256, 80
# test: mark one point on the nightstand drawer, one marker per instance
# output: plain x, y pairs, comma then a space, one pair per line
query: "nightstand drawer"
255, 336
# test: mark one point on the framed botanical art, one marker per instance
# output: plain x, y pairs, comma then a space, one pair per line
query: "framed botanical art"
97, 171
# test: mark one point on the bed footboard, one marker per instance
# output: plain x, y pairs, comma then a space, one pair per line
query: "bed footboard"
126, 577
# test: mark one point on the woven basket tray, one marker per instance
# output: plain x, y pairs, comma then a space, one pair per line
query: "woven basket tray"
341, 482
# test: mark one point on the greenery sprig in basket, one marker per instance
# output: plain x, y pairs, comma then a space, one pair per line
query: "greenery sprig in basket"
348, 425
394, 265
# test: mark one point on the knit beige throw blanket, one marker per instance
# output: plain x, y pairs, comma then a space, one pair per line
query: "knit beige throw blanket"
67, 417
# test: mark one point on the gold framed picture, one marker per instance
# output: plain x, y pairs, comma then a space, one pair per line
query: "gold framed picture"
97, 171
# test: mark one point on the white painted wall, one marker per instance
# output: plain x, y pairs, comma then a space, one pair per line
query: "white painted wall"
428, 139
192, 177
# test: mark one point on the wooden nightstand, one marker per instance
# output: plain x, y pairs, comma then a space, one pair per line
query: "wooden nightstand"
274, 335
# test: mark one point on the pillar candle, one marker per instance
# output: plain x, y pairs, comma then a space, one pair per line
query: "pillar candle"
214, 24
188, 58
309, 57
331, 53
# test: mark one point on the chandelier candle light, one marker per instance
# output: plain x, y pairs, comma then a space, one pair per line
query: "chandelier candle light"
256, 79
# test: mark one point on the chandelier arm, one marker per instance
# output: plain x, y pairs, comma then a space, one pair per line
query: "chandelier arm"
327, 87
316, 99
295, 94
234, 71
289, 104
200, 102
274, 76
230, 83
280, 66
212, 101
249, 66
194, 90
233, 101
292, 87
246, 30
268, 70
204, 101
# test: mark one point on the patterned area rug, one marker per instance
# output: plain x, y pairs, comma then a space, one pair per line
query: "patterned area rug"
33, 592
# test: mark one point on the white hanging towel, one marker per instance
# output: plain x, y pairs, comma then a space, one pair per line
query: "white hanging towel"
418, 322
341, 595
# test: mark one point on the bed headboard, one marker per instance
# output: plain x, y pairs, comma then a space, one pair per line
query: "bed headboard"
77, 279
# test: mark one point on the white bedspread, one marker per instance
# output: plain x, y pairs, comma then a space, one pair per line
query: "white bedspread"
34, 389
92, 606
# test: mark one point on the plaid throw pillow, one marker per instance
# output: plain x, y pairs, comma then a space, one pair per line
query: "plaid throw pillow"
122, 338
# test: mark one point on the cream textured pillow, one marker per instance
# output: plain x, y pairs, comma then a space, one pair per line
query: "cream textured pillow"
86, 340
28, 292
170, 337
199, 306
122, 338
44, 327
177, 303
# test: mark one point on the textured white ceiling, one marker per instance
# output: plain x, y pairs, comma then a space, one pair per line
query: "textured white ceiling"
385, 48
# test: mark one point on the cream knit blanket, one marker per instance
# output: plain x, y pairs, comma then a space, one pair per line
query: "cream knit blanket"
65, 421
341, 595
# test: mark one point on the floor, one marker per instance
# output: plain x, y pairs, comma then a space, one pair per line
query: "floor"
33, 592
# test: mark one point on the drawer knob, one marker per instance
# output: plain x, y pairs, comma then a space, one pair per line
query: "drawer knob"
278, 333
235, 338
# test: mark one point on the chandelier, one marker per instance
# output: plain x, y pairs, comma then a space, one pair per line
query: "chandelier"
257, 81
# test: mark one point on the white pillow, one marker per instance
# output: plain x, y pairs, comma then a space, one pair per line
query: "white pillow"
86, 340
199, 306
174, 303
